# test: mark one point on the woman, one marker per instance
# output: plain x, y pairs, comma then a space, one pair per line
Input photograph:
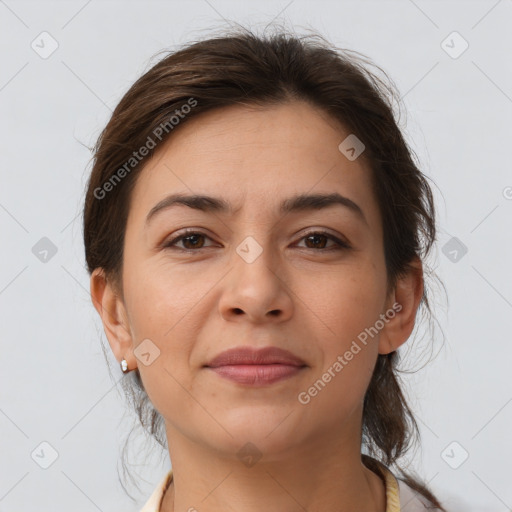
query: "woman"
254, 228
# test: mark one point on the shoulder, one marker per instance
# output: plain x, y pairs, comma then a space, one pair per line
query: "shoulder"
400, 496
154, 501
411, 501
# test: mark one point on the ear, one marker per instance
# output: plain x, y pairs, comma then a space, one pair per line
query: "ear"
111, 308
406, 297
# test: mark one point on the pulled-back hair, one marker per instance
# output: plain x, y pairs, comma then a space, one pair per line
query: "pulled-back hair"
241, 68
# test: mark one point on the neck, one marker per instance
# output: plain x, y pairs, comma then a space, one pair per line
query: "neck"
316, 478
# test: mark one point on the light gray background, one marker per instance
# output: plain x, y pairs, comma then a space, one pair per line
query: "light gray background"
54, 380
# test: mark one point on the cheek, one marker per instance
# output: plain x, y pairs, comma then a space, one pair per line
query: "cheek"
162, 300
342, 303
341, 309
167, 308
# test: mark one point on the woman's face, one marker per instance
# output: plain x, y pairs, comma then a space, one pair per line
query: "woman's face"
255, 277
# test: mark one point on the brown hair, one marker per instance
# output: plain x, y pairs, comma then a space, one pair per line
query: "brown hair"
242, 68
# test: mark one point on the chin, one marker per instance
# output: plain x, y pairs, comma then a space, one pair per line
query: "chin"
270, 432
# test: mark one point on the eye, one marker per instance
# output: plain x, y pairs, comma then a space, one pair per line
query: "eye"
316, 240
191, 240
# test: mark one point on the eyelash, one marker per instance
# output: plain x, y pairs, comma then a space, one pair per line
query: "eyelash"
341, 245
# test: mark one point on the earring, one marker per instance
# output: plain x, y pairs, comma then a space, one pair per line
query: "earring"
124, 366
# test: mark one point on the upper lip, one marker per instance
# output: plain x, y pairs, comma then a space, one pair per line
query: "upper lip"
249, 355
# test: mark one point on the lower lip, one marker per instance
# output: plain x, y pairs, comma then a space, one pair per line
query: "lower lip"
257, 374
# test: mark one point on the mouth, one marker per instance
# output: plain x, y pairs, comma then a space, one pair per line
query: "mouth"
248, 366
257, 374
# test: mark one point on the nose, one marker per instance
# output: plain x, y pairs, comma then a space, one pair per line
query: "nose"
255, 289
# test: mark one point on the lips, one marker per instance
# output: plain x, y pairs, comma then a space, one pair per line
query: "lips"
251, 356
256, 367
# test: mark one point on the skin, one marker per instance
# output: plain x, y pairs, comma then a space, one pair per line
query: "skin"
193, 306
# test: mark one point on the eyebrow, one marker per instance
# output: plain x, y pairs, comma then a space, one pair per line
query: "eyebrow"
297, 203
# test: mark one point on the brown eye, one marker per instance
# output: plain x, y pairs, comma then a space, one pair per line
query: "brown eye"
191, 240
319, 239
316, 241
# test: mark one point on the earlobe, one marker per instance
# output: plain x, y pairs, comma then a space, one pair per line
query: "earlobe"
406, 299
111, 309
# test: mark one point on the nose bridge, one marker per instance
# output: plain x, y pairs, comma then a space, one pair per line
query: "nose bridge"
254, 227
254, 261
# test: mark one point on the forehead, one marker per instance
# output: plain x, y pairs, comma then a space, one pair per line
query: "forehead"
254, 157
